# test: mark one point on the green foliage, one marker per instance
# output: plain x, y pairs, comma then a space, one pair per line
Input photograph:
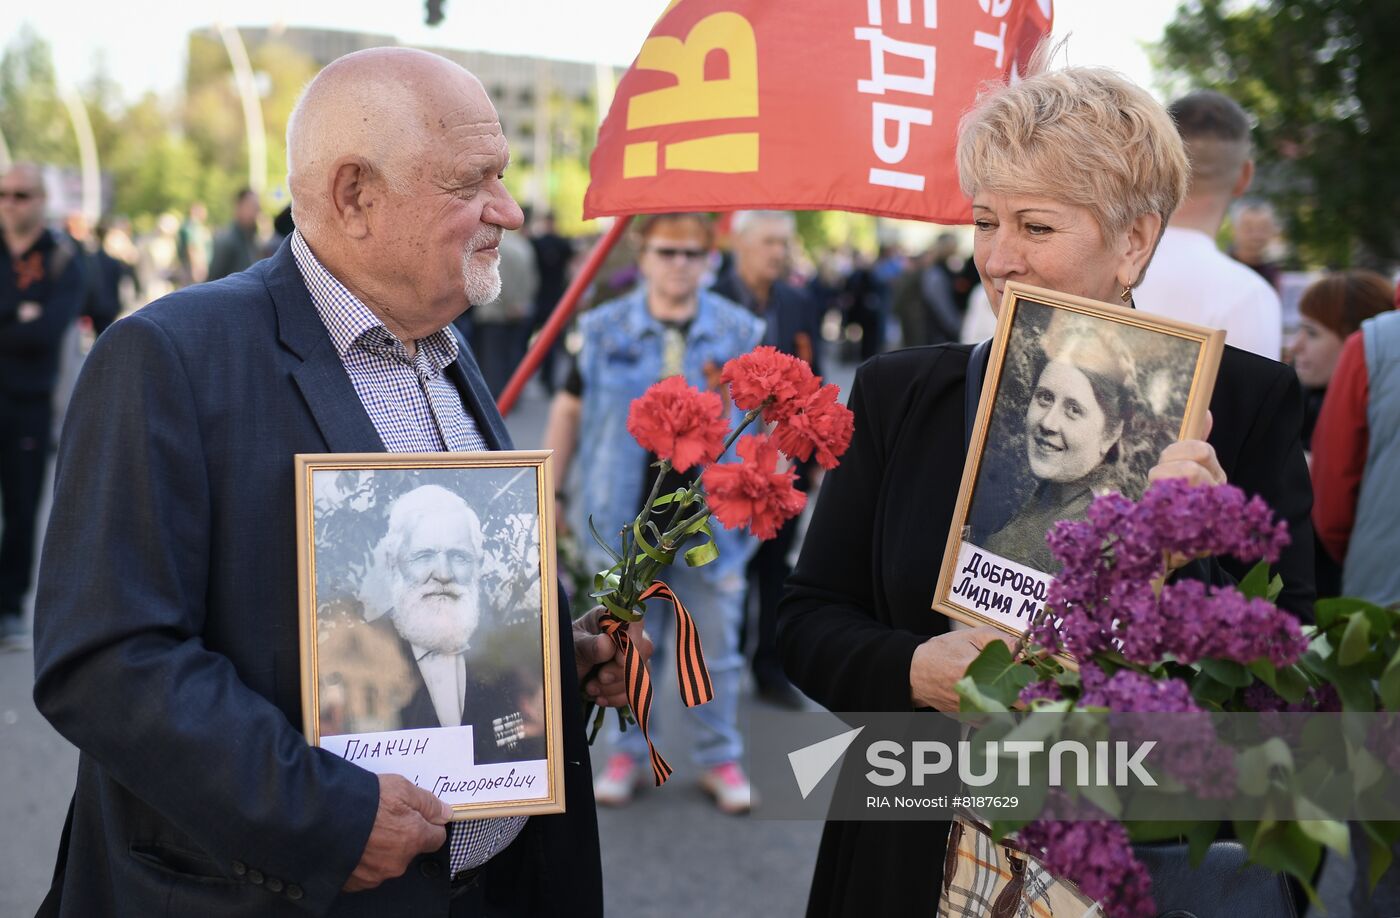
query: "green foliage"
1354, 648
1319, 76
827, 229
994, 680
32, 117
158, 156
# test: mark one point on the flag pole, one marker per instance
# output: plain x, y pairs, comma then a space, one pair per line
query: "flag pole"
561, 315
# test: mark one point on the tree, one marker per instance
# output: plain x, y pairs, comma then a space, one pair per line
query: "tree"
32, 117
1320, 77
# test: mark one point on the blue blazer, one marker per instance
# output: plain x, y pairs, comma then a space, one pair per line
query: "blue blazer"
166, 632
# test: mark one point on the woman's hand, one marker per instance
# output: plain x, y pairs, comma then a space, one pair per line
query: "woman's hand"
941, 661
1193, 460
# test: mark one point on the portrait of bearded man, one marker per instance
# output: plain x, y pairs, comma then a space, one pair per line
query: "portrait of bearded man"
427, 651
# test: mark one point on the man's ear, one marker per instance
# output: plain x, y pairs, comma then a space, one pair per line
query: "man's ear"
352, 195
1243, 182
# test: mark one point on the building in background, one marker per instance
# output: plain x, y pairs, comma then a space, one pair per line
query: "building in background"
549, 109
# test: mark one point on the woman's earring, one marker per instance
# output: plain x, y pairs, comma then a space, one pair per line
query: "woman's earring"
1127, 294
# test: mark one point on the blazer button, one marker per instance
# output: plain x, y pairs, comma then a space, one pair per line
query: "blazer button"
240, 869
294, 891
255, 877
274, 885
430, 869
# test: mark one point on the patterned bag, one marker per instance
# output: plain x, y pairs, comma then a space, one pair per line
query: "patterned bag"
984, 878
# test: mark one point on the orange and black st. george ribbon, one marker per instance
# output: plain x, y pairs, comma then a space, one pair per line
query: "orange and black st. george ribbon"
692, 676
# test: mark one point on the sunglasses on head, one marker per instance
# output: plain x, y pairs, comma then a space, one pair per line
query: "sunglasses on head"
17, 195
668, 253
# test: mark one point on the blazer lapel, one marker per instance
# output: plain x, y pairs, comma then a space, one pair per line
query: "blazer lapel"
321, 377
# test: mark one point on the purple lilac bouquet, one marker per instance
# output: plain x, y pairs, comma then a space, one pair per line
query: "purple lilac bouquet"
1142, 645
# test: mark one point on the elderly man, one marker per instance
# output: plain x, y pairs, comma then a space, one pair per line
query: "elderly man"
425, 589
42, 289
166, 631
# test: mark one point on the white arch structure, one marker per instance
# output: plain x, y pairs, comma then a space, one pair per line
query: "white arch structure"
252, 107
87, 153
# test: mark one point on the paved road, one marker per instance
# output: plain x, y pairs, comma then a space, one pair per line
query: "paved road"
669, 854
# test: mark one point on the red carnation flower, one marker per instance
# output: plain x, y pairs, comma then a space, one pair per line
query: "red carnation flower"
753, 492
678, 422
766, 372
820, 424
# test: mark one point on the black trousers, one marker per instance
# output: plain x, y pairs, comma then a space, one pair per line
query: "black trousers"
25, 425
768, 572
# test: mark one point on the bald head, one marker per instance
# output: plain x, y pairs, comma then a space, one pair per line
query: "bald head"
396, 161
373, 107
28, 173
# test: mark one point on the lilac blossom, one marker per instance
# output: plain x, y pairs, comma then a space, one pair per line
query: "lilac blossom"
1098, 857
1189, 749
1048, 690
1108, 596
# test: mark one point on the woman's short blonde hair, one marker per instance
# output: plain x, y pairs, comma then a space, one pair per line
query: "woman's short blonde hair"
1081, 135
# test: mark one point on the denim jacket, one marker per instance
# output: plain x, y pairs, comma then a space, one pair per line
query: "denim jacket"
620, 358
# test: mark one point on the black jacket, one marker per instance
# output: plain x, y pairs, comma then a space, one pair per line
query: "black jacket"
859, 599
793, 320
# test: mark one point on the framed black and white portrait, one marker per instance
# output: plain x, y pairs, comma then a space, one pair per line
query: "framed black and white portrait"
429, 638
1080, 398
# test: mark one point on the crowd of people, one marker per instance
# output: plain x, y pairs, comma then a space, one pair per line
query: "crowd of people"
186, 580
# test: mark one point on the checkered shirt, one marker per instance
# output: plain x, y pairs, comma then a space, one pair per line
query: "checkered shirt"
414, 408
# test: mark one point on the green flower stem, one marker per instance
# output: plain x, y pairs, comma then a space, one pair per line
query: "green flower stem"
641, 570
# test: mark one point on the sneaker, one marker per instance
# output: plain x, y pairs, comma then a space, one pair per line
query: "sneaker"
729, 786
618, 782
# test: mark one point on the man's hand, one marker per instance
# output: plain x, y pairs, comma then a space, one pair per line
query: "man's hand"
409, 823
605, 688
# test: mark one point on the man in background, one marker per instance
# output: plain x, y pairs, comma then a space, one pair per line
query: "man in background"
1256, 230
42, 291
500, 329
236, 247
763, 241
553, 253
192, 246
1189, 278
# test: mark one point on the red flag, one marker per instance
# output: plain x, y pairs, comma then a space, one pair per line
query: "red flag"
811, 105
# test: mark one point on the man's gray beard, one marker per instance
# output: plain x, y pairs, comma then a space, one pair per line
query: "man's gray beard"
483, 285
437, 623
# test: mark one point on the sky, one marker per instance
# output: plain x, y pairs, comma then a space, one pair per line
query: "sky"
142, 42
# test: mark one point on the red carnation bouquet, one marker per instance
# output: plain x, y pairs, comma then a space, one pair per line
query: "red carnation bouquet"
686, 428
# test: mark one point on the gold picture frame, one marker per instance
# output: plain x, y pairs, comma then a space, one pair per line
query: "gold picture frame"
429, 622
1079, 399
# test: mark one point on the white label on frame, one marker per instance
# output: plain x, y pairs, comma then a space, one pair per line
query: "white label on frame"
441, 761
998, 588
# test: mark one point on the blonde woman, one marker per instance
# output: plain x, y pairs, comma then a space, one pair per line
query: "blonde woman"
1072, 176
